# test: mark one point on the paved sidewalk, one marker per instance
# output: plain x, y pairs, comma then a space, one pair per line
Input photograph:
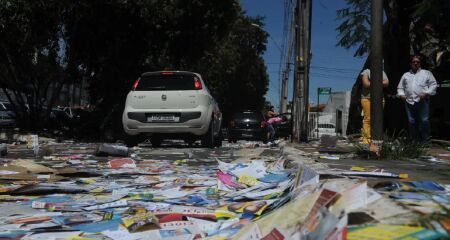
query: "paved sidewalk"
435, 169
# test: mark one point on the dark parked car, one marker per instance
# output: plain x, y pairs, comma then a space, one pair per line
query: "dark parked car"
284, 129
6, 114
63, 116
248, 125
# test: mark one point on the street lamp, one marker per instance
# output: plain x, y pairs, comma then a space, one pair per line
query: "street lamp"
275, 42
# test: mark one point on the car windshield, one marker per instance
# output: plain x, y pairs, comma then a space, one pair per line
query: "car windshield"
167, 82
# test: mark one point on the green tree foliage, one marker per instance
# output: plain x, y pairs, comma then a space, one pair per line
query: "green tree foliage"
431, 32
236, 69
115, 41
354, 29
419, 26
30, 66
110, 43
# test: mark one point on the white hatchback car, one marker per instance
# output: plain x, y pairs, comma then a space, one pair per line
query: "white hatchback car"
171, 105
325, 129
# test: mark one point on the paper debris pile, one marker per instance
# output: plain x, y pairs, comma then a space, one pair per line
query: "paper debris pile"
173, 194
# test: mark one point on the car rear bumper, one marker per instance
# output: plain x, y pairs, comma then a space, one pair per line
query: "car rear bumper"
7, 122
192, 122
250, 134
183, 116
166, 128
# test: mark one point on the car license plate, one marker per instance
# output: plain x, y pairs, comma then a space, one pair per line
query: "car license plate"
163, 118
247, 135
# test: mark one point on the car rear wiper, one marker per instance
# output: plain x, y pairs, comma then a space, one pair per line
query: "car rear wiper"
156, 87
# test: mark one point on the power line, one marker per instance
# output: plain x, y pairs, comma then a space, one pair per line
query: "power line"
337, 78
347, 70
323, 67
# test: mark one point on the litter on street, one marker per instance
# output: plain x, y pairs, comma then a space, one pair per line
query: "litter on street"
76, 191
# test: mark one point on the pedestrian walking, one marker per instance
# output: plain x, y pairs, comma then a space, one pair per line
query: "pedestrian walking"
365, 103
415, 88
270, 123
271, 113
270, 129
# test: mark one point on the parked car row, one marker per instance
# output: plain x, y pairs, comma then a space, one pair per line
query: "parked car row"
168, 105
60, 117
178, 105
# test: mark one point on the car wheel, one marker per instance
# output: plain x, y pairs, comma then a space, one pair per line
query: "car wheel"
208, 138
218, 140
131, 140
156, 141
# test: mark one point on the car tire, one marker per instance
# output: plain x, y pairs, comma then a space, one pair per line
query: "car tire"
218, 140
208, 139
156, 141
131, 140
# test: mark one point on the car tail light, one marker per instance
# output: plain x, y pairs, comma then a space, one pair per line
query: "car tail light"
263, 124
167, 73
197, 84
232, 124
136, 83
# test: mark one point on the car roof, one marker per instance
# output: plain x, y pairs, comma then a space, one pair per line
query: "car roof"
245, 112
177, 72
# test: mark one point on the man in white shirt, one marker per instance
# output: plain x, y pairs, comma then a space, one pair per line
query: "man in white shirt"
415, 88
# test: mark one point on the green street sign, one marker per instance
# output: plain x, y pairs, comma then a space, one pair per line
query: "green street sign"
324, 91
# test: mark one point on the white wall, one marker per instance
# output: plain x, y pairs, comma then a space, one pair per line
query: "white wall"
337, 101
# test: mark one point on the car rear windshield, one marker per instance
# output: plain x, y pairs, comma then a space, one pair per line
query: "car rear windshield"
166, 82
249, 115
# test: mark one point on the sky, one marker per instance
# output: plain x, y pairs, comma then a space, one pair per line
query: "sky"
331, 65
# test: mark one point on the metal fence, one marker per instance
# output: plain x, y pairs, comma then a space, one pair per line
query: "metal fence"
338, 118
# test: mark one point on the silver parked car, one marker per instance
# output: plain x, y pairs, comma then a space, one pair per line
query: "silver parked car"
171, 104
6, 114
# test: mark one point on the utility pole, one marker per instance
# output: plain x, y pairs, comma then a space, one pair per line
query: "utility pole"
285, 80
284, 90
297, 67
306, 45
376, 75
301, 71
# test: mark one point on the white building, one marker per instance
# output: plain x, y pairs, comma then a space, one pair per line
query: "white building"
334, 113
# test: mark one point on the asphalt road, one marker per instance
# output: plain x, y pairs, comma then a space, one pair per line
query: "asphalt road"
417, 169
